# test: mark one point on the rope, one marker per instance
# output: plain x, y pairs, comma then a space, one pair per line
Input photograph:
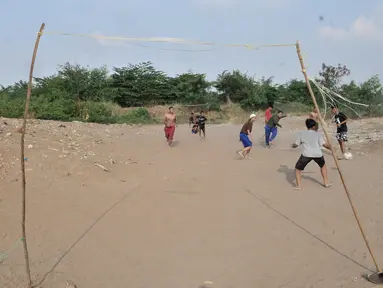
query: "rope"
167, 40
325, 92
336, 94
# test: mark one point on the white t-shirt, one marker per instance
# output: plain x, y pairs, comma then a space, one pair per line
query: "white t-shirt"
311, 143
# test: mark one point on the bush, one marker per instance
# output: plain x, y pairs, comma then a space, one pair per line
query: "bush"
59, 110
293, 108
11, 108
97, 112
136, 116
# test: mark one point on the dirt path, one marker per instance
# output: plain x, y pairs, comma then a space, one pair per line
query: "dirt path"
177, 217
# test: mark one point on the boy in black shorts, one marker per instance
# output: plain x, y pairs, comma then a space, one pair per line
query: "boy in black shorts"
311, 142
342, 130
201, 120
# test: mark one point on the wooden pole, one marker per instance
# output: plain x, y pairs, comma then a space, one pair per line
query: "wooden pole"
335, 158
23, 130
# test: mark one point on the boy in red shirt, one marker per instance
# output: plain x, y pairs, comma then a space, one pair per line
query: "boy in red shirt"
268, 113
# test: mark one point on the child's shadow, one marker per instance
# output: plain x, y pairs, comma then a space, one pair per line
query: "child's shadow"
290, 175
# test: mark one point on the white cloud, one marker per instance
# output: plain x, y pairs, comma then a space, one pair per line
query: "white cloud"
362, 28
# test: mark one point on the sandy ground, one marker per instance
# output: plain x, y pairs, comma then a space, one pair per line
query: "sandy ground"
176, 217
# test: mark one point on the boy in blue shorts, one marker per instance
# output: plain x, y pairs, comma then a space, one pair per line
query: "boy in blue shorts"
245, 136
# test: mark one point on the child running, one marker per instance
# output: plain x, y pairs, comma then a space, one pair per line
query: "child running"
311, 142
268, 113
271, 130
170, 121
201, 121
245, 137
341, 131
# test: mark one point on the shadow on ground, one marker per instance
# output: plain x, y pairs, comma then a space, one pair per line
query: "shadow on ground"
290, 175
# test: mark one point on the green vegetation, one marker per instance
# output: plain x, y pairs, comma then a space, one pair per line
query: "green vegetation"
95, 95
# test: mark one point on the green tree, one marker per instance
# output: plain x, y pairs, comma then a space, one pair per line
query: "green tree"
331, 76
234, 86
190, 88
371, 94
86, 84
141, 84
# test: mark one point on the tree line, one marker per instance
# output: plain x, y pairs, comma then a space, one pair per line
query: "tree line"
78, 92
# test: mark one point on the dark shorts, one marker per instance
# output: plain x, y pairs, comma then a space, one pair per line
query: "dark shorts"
202, 127
303, 161
342, 136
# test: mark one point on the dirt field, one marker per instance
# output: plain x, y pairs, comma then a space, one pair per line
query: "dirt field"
176, 217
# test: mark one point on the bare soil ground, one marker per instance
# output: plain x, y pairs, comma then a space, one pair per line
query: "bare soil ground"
176, 217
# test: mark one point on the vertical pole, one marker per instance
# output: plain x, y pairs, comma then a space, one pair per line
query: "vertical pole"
23, 130
335, 158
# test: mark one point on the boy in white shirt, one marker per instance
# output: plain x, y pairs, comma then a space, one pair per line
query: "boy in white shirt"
311, 142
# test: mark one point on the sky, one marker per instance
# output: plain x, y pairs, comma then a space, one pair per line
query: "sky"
350, 33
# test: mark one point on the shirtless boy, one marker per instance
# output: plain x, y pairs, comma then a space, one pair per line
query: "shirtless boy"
170, 121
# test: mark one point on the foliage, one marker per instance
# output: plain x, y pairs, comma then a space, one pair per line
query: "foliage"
136, 116
91, 94
331, 76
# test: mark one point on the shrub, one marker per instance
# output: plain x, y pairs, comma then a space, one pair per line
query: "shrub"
97, 112
136, 116
60, 109
11, 108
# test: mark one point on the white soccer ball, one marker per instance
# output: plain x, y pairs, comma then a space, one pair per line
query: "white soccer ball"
347, 156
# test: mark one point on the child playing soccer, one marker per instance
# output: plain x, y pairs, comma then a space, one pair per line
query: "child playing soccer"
311, 142
271, 130
245, 136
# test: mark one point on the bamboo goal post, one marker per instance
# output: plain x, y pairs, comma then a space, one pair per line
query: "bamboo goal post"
354, 210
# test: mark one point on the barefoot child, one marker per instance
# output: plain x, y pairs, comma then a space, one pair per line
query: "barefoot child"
201, 121
341, 131
271, 130
268, 113
311, 143
170, 121
245, 136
